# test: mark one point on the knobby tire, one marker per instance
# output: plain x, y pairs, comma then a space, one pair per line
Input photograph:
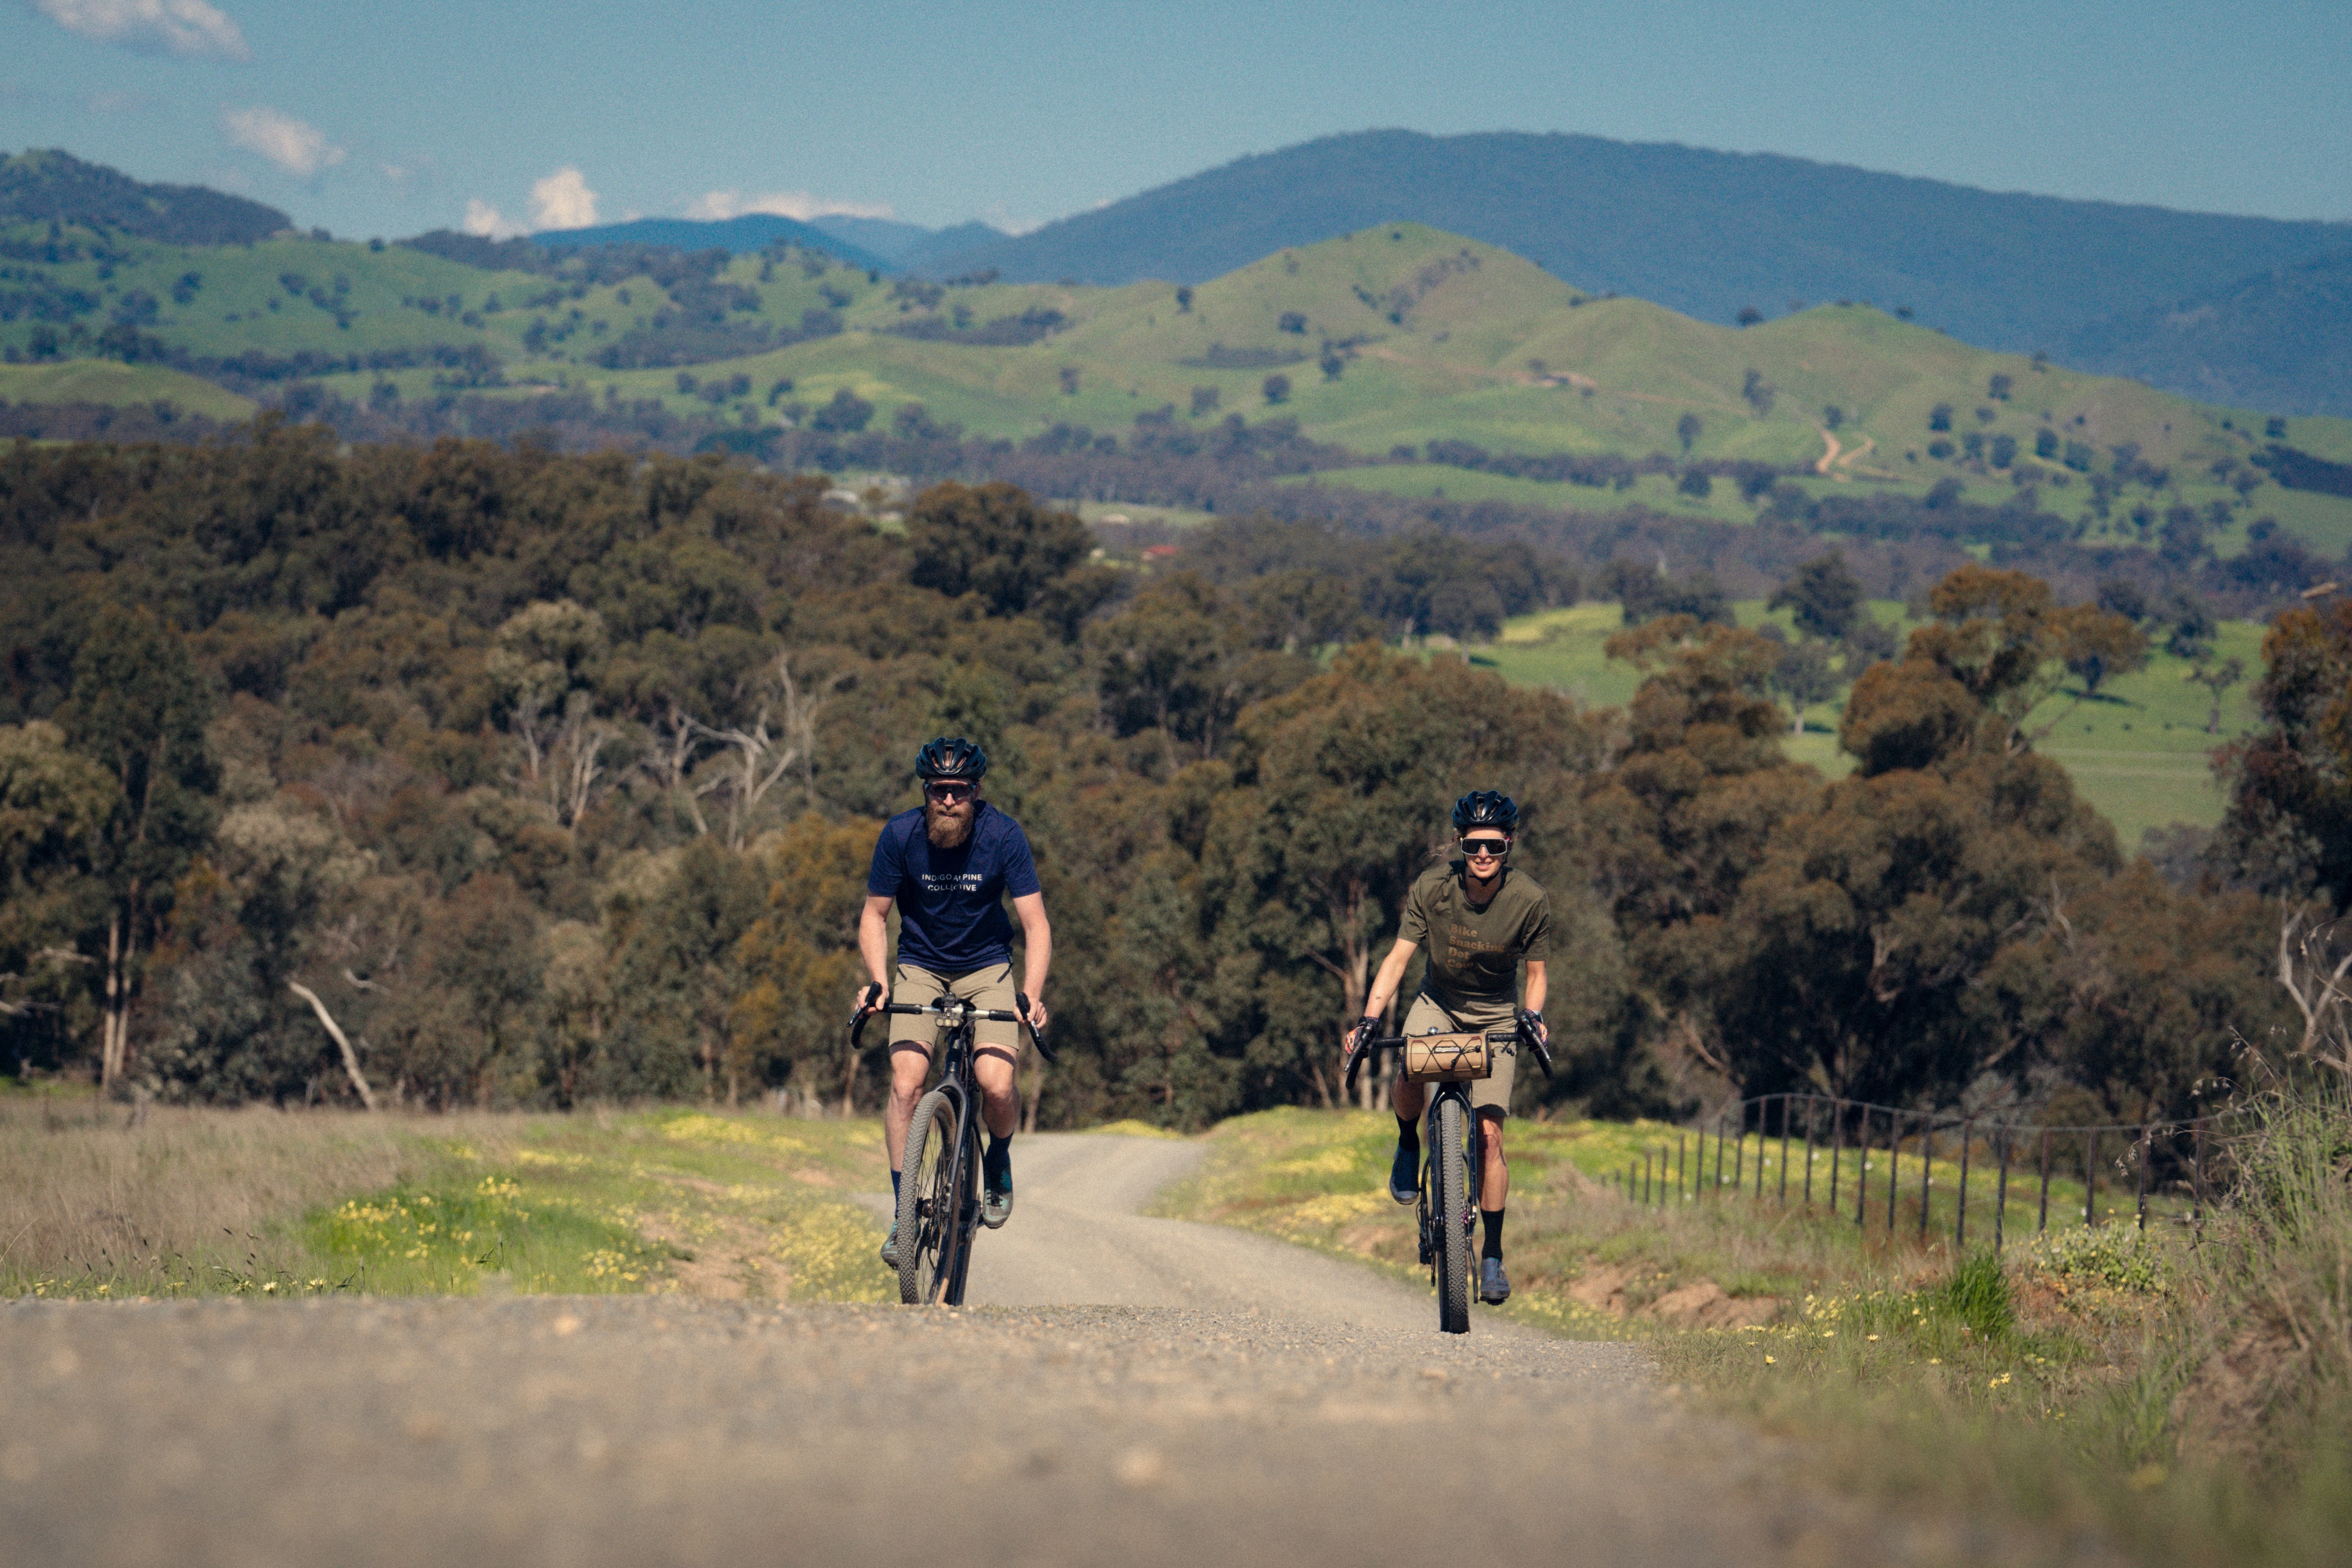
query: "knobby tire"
930, 1234
1448, 1196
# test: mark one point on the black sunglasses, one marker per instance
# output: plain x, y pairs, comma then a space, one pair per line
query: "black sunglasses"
1486, 846
950, 793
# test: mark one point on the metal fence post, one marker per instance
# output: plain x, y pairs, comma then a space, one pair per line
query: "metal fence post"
1718, 1155
1837, 1147
2147, 1147
1961, 1231
2000, 1194
1927, 1169
1783, 1178
2090, 1177
1763, 1134
1813, 1108
1894, 1165
1862, 1173
1678, 1166
1739, 1152
2045, 1180
2197, 1171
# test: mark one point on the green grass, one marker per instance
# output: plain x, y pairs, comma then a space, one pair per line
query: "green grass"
120, 386
709, 1203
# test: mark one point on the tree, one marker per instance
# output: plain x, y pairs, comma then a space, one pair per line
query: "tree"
1696, 483
1997, 388
138, 709
2288, 830
1183, 298
1803, 675
1687, 431
2001, 640
1758, 393
1172, 661
845, 415
1940, 417
1748, 316
994, 540
2004, 450
1277, 388
1832, 416
1333, 364
1069, 376
2114, 645
1293, 321
1204, 401
799, 963
55, 807
1825, 595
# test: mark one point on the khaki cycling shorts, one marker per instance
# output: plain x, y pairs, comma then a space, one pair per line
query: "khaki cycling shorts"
1489, 1094
991, 987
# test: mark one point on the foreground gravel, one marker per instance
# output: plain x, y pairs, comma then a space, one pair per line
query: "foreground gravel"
1245, 1402
664, 1430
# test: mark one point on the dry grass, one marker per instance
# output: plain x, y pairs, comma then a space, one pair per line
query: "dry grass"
140, 1201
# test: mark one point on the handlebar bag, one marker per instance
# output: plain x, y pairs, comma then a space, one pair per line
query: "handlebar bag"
1451, 1058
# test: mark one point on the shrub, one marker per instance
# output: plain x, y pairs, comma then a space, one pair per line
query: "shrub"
2119, 1257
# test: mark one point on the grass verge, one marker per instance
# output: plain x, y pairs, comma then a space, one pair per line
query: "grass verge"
104, 1203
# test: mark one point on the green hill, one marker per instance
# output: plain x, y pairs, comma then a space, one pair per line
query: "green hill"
1390, 339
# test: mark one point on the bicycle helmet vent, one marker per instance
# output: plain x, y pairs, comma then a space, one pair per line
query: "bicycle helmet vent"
1486, 808
952, 757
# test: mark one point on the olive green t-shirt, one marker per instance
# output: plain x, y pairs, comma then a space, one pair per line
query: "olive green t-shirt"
1475, 949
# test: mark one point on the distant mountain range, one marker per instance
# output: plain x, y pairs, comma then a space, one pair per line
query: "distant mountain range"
2280, 340
753, 231
880, 244
1712, 234
46, 185
2249, 312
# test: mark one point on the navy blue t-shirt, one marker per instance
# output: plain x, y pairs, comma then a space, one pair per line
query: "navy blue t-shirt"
951, 913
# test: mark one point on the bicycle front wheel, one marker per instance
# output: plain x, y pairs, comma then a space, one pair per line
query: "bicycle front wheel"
1449, 1202
929, 1232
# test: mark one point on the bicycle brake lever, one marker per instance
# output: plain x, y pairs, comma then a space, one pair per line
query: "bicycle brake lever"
1035, 1037
1543, 1057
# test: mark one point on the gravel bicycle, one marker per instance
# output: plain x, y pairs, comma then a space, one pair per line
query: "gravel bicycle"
939, 1185
1453, 1145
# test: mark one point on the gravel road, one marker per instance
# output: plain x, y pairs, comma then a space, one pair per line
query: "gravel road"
1144, 1392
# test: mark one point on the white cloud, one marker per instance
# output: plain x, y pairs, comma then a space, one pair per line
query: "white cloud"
151, 27
797, 205
483, 219
997, 216
294, 145
562, 200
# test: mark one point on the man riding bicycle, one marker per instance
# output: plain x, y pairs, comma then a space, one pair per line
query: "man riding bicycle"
1480, 919
948, 865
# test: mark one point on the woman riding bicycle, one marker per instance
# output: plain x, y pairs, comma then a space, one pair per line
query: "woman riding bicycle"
1481, 920
948, 865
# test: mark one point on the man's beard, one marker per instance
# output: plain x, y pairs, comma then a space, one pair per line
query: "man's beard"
949, 826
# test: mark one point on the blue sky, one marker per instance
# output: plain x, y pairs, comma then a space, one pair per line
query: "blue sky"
399, 116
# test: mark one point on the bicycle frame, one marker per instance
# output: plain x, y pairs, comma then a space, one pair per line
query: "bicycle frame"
947, 1236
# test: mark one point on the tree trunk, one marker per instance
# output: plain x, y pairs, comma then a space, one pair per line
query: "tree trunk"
351, 1057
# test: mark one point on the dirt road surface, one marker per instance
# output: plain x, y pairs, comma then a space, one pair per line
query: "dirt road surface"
1144, 1391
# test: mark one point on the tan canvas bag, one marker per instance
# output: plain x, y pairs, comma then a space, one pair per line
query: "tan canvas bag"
1453, 1058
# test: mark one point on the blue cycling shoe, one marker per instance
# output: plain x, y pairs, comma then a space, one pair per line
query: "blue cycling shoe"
1404, 1175
1494, 1285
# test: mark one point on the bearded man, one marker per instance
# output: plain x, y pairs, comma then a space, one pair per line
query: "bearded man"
948, 865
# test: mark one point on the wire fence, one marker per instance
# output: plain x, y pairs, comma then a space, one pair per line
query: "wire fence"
1849, 1155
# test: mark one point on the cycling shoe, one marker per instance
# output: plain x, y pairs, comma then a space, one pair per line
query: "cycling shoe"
997, 1193
890, 1248
1494, 1285
1404, 1175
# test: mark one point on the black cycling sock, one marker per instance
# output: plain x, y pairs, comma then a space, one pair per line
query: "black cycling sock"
894, 1186
1492, 1218
999, 1149
1408, 1135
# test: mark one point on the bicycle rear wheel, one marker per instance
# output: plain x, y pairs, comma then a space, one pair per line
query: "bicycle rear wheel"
1449, 1203
930, 1230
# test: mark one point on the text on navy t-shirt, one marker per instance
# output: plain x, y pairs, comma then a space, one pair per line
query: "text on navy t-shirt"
951, 913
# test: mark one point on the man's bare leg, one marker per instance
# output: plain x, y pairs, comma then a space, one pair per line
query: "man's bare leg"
910, 1064
1000, 1101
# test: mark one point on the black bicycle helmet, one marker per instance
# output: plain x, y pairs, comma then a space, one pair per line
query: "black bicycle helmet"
1486, 808
952, 757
